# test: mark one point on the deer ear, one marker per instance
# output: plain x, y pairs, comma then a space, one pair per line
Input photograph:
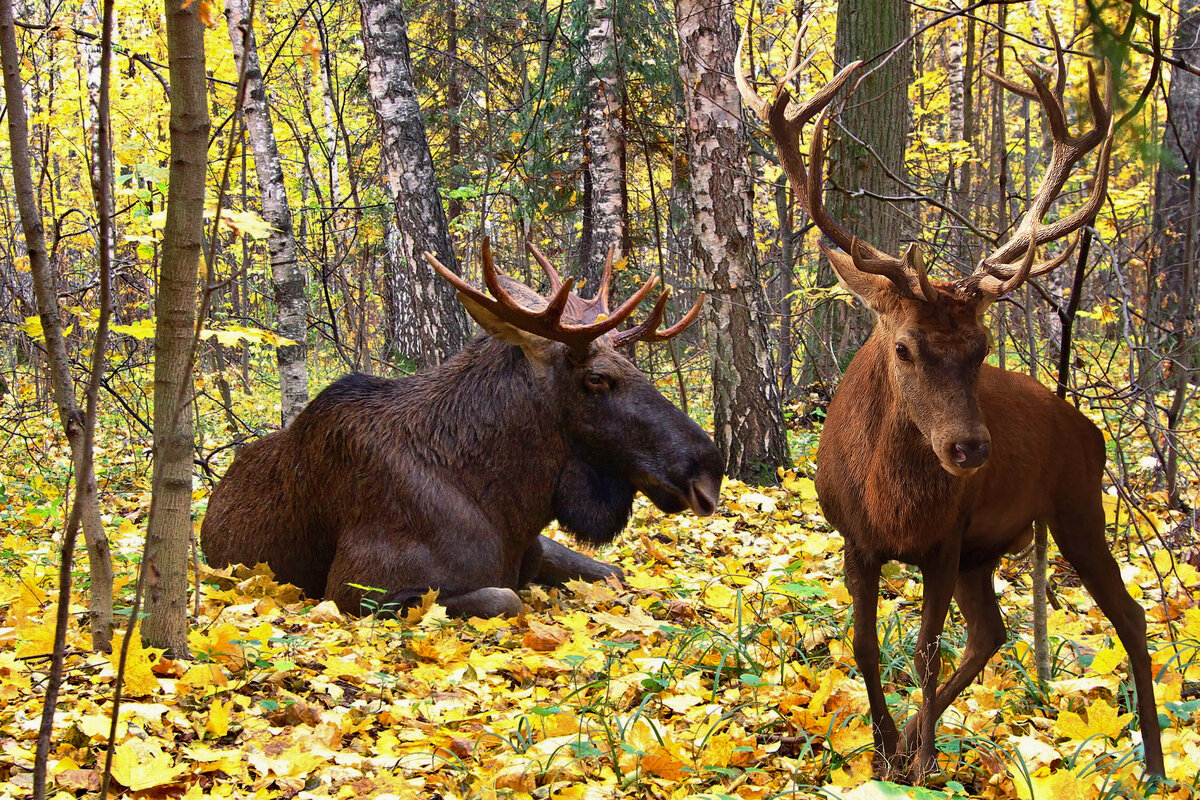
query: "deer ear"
536, 348
870, 289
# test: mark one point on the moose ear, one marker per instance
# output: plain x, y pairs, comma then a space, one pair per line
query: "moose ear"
536, 348
872, 290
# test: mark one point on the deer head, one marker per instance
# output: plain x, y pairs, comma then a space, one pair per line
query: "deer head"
932, 332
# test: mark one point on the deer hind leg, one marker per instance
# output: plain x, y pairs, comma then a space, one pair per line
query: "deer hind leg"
975, 595
1081, 540
939, 579
862, 581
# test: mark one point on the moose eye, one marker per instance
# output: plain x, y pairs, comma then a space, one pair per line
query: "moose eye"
902, 352
596, 382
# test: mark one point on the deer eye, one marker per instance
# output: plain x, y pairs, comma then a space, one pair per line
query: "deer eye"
902, 352
596, 382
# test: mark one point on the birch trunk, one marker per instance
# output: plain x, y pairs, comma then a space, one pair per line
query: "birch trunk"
287, 276
426, 323
603, 144
747, 413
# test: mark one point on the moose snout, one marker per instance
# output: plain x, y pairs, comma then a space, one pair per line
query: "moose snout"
970, 453
703, 494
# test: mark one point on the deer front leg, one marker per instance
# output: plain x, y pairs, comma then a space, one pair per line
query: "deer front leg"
939, 578
976, 598
862, 581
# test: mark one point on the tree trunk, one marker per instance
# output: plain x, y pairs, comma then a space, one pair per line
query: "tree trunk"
1177, 192
747, 413
868, 142
286, 272
603, 144
58, 364
426, 324
170, 526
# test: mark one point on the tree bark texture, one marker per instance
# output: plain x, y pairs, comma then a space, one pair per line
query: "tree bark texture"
603, 143
1177, 219
170, 526
287, 276
877, 114
867, 141
59, 366
747, 413
426, 323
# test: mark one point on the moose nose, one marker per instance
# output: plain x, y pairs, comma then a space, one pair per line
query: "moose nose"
971, 453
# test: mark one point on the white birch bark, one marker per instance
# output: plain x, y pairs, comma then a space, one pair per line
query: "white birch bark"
287, 276
747, 413
604, 140
438, 327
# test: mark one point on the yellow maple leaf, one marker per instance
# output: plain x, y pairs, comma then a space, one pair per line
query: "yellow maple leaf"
1102, 720
218, 719
140, 679
201, 678
1044, 784
140, 764
1108, 659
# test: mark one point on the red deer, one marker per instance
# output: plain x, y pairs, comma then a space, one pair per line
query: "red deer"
933, 458
446, 479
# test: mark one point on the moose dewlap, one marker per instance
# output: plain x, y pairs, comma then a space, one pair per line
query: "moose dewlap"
446, 479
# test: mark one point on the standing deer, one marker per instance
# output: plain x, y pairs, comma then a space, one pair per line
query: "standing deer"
933, 458
446, 479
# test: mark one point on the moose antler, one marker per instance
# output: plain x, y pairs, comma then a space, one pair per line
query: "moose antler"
785, 124
548, 322
597, 307
996, 274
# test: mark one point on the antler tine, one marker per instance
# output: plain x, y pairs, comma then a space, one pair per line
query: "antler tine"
749, 96
1066, 152
546, 319
551, 273
648, 331
601, 297
546, 322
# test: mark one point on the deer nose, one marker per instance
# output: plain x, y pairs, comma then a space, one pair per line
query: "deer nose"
971, 453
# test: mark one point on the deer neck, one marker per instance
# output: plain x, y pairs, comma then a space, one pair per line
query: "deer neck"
923, 497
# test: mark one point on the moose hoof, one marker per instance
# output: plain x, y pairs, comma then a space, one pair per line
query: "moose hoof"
491, 601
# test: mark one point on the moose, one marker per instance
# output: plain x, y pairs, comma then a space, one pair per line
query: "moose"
446, 479
933, 458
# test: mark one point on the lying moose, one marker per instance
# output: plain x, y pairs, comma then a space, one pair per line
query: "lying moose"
446, 479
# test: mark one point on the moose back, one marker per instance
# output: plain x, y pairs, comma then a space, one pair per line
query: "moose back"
446, 479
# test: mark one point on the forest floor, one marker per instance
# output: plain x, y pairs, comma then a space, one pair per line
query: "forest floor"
722, 669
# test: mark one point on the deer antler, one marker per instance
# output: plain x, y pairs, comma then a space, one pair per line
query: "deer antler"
785, 124
997, 274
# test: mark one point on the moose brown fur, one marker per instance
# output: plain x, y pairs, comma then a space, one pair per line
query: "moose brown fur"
933, 458
446, 479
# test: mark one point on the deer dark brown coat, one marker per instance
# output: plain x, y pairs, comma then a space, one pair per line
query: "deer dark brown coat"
446, 479
933, 458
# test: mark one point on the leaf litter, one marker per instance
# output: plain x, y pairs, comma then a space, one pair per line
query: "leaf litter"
722, 668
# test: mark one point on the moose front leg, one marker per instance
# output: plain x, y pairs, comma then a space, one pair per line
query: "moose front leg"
559, 564
862, 581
